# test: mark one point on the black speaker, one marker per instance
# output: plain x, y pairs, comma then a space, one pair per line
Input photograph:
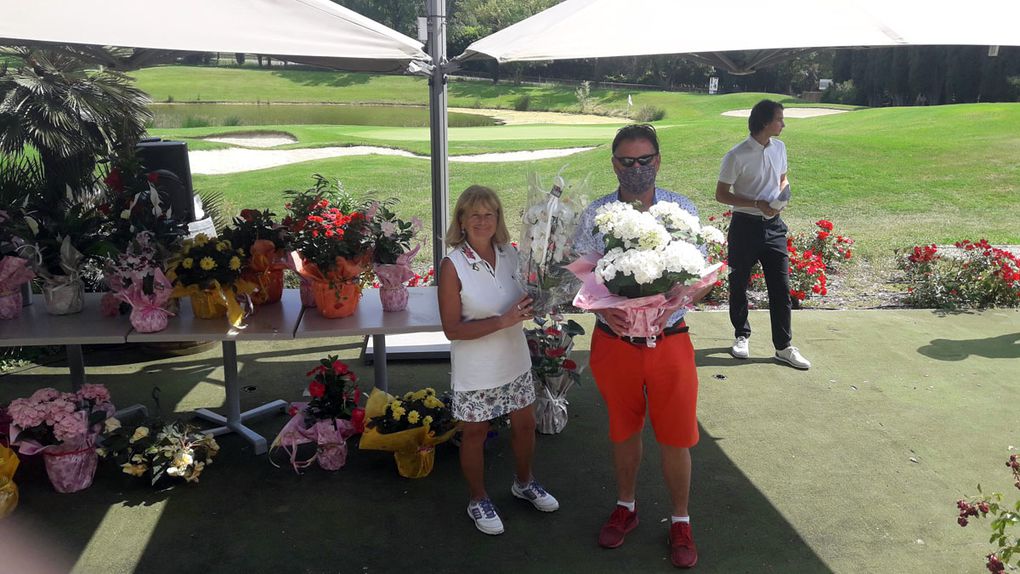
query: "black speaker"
171, 156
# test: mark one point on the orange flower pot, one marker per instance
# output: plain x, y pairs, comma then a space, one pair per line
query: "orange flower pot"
337, 300
269, 283
208, 305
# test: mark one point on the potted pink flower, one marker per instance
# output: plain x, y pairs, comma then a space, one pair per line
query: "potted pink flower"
63, 427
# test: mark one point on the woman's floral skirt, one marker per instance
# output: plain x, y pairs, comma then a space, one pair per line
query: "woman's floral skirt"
487, 404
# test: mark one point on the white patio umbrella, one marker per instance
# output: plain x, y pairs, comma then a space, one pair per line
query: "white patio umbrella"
608, 28
312, 31
316, 32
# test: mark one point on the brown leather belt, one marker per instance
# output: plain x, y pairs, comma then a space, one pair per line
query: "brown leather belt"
642, 341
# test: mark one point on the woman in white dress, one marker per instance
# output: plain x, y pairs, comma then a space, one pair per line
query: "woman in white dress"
482, 308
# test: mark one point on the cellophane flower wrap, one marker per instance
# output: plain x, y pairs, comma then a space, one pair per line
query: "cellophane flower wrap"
14, 272
653, 260
327, 420
392, 254
267, 243
64, 291
136, 278
550, 220
8, 489
63, 427
409, 427
209, 266
554, 371
163, 453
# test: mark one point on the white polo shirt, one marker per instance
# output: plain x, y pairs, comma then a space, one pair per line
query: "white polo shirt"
754, 171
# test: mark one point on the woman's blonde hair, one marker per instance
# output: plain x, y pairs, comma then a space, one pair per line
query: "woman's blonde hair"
471, 197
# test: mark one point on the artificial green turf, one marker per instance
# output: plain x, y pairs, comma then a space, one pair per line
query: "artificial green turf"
853, 466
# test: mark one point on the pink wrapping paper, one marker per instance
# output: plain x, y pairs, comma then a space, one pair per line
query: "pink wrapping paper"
10, 305
71, 470
642, 312
148, 312
14, 272
330, 454
392, 276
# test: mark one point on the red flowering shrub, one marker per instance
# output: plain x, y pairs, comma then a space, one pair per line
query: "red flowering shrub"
978, 275
1003, 516
429, 278
811, 258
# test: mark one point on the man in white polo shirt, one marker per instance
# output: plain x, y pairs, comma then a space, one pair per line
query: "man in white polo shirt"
753, 180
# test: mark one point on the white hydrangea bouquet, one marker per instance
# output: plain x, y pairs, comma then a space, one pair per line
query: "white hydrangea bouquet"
653, 261
546, 246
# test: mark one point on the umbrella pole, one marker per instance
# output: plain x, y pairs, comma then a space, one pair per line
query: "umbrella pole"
436, 15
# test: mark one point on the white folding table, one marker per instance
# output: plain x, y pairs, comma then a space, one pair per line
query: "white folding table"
269, 323
37, 328
421, 314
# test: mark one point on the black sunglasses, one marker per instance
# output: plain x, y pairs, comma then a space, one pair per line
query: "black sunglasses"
629, 161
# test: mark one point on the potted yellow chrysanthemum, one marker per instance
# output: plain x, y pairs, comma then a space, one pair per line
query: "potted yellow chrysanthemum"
410, 427
209, 271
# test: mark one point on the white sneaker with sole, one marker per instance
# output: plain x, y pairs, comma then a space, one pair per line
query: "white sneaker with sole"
483, 512
791, 356
741, 348
534, 493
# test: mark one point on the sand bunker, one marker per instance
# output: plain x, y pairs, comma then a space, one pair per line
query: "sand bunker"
254, 140
791, 112
223, 161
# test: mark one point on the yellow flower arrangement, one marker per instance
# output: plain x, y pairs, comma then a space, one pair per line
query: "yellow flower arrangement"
411, 436
211, 267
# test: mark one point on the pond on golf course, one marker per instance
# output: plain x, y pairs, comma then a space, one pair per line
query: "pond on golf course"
205, 115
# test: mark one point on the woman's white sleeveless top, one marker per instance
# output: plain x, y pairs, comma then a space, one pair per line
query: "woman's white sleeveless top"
497, 358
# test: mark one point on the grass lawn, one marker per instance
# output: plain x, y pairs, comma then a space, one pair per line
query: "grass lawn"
889, 177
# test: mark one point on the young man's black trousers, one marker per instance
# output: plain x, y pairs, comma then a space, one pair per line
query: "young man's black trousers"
751, 239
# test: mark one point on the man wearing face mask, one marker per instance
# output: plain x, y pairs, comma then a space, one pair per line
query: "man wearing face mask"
634, 378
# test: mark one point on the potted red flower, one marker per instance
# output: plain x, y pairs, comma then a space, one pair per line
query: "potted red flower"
328, 419
333, 244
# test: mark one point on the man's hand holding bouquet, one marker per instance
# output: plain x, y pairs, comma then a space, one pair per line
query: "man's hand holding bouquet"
653, 264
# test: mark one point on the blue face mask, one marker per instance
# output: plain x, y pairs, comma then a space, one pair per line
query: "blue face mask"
636, 180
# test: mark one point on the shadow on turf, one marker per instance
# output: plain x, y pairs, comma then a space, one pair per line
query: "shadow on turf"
248, 516
1002, 347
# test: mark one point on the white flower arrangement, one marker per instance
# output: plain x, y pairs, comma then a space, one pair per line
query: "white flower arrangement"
546, 245
649, 252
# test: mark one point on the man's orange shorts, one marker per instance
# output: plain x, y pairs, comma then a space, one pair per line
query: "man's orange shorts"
625, 372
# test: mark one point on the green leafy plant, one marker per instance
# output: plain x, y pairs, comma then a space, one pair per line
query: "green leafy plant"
1003, 517
157, 450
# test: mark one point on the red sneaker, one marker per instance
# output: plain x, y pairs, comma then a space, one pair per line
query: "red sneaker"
620, 522
682, 551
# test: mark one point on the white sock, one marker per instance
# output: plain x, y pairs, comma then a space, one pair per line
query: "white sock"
628, 505
674, 519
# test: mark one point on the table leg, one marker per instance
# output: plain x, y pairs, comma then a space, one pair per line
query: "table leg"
234, 421
76, 364
379, 361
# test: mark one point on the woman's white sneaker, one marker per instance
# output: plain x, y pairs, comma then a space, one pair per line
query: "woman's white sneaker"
534, 493
483, 512
791, 356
